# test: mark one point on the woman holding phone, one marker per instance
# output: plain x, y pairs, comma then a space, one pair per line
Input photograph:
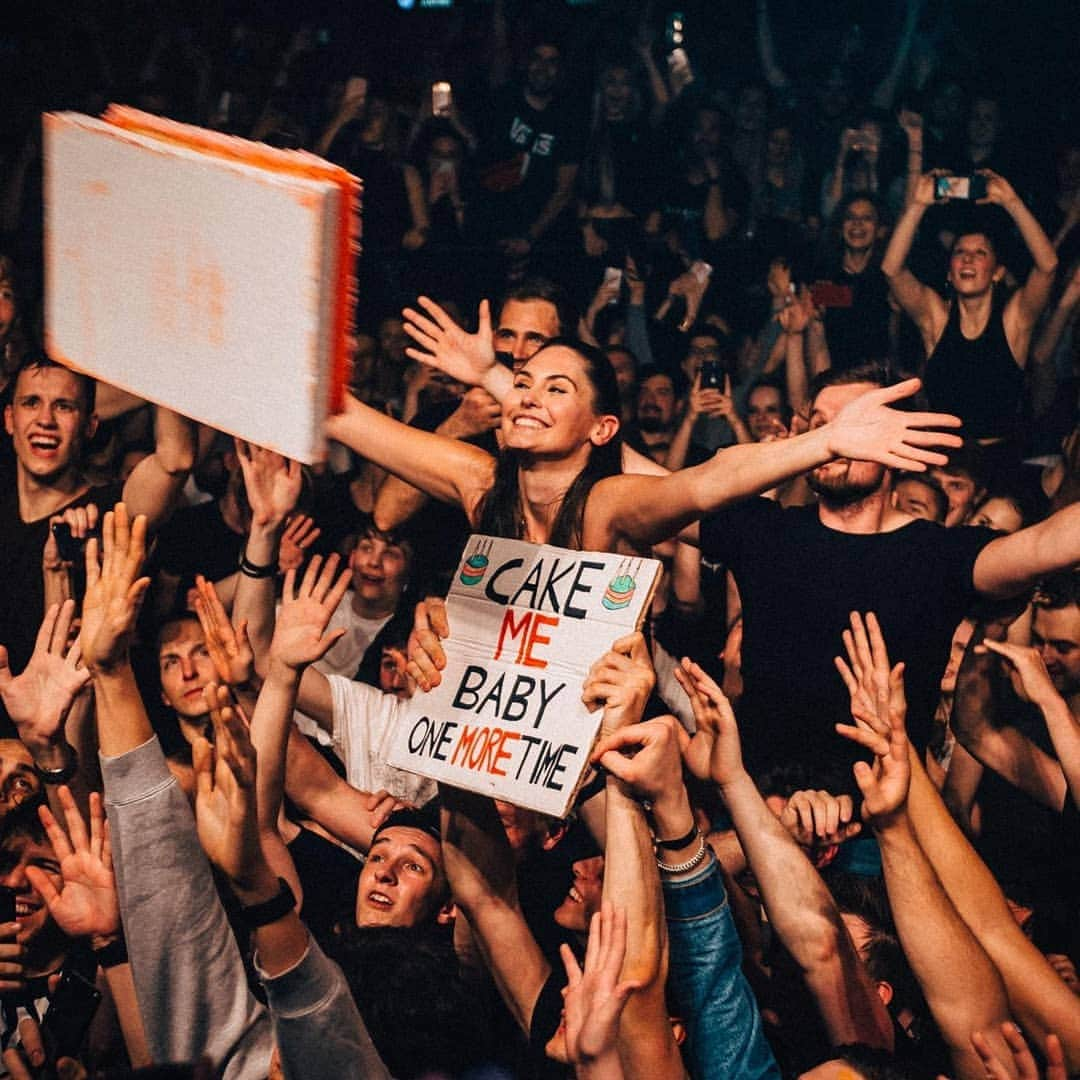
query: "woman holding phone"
977, 342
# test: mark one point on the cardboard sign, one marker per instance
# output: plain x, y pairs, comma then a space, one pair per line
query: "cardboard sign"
527, 622
205, 273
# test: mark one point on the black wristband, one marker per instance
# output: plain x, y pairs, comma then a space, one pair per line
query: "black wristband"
269, 911
112, 955
593, 787
253, 570
64, 773
679, 842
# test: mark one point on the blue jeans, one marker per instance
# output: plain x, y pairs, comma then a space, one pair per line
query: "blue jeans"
726, 1040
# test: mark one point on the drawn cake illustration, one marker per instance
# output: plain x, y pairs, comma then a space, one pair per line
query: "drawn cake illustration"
620, 590
475, 566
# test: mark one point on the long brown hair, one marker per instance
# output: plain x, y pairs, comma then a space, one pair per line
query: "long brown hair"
503, 514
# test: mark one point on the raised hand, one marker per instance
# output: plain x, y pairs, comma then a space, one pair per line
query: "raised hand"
426, 655
594, 998
912, 125
1024, 1066
477, 413
300, 636
114, 590
228, 646
818, 819
878, 702
795, 318
654, 770
714, 752
225, 793
999, 191
272, 483
879, 709
1029, 668
621, 681
447, 346
300, 533
86, 905
38, 700
925, 190
866, 430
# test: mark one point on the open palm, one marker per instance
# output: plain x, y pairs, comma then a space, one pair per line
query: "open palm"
38, 699
299, 633
86, 905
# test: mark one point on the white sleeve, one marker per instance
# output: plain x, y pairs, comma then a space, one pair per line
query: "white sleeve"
363, 725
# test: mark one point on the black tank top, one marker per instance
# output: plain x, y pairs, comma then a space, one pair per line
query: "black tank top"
978, 380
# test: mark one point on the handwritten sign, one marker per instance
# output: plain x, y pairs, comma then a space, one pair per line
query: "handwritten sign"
527, 622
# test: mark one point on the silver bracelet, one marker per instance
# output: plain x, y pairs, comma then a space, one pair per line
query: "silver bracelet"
694, 861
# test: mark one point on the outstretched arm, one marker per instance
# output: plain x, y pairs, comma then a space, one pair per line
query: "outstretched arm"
1013, 564
1027, 303
1003, 748
919, 301
801, 909
885, 93
962, 986
154, 484
645, 510
446, 469
480, 868
154, 840
316, 1022
770, 65
1037, 996
623, 680
272, 484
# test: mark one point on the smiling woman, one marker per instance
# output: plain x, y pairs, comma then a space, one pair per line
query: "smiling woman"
558, 478
976, 343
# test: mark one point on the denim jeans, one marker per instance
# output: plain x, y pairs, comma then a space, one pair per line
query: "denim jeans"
726, 1040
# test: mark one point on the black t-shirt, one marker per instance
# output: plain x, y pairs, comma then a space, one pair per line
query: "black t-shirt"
519, 158
22, 590
799, 581
196, 540
859, 333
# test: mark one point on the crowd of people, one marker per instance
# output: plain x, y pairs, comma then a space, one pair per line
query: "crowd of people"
804, 332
